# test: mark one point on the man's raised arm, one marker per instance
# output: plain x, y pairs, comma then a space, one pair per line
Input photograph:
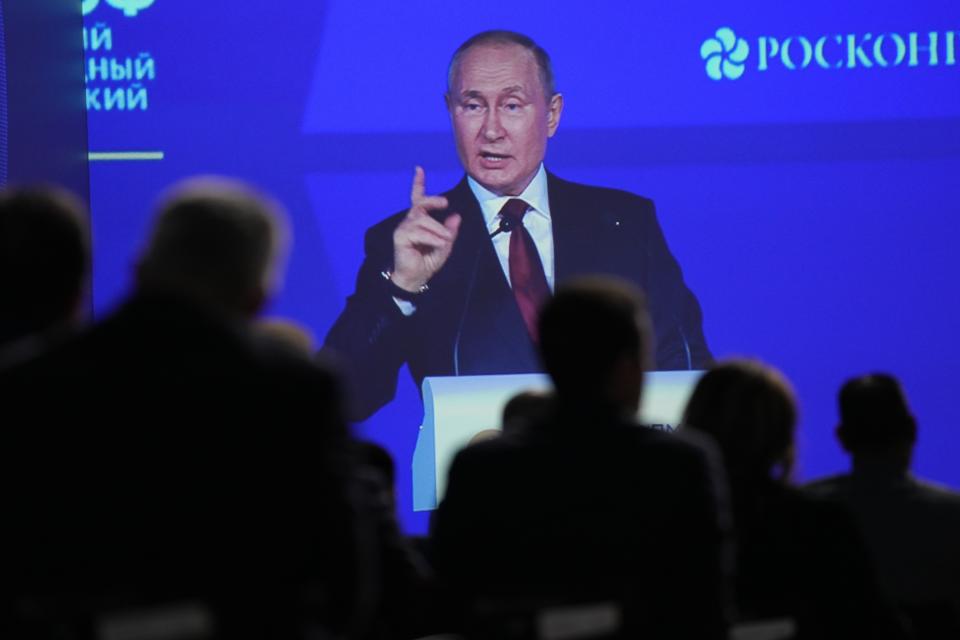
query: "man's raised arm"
371, 337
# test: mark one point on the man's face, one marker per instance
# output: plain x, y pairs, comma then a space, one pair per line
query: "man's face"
501, 116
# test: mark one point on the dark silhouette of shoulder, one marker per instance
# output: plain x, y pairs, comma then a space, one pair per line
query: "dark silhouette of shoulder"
803, 557
577, 515
911, 527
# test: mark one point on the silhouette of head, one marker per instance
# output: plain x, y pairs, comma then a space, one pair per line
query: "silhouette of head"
289, 334
218, 242
526, 407
874, 417
594, 343
749, 409
44, 260
379, 461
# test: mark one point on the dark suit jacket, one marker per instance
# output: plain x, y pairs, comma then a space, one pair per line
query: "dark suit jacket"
802, 558
166, 453
912, 529
468, 322
586, 508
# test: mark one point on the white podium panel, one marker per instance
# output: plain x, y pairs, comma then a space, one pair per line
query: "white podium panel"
457, 408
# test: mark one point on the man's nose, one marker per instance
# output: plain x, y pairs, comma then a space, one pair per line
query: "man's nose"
492, 128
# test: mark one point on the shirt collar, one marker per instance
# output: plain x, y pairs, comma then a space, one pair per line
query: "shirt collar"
534, 195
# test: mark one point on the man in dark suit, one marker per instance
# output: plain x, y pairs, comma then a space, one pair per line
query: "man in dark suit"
585, 506
452, 285
911, 526
170, 455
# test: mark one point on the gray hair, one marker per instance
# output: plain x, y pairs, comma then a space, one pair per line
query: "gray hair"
218, 239
503, 37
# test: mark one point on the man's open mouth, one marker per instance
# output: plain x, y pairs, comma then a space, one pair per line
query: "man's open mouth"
493, 160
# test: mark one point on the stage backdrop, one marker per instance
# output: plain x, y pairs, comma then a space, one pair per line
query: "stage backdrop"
804, 161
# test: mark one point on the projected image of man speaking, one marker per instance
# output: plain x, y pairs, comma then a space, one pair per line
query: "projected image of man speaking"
452, 285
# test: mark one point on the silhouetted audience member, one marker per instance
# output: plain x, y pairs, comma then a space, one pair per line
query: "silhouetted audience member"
586, 507
379, 463
44, 263
483, 435
168, 455
798, 559
290, 333
911, 526
523, 408
526, 407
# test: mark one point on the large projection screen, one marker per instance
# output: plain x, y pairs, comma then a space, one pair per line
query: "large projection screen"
803, 160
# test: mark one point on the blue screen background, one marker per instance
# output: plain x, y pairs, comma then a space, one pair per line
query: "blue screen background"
814, 211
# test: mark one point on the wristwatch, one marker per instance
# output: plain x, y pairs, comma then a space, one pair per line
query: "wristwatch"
399, 292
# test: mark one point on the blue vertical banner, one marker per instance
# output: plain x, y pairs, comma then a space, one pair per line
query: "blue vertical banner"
43, 120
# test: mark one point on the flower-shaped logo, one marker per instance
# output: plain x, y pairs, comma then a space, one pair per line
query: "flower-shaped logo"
725, 54
130, 8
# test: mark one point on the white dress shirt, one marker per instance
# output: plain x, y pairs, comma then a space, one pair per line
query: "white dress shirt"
536, 220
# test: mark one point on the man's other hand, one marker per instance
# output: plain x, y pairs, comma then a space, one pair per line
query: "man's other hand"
421, 245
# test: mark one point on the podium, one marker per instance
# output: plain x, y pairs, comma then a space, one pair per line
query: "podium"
457, 408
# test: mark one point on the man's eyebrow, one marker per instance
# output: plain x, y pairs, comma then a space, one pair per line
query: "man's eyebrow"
511, 90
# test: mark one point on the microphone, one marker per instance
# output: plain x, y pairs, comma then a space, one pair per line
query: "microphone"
471, 284
506, 226
686, 344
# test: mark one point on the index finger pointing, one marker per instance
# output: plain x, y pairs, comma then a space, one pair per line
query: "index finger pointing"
419, 185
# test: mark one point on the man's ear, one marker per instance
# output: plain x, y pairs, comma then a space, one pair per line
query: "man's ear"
912, 425
841, 435
554, 111
254, 302
626, 382
80, 305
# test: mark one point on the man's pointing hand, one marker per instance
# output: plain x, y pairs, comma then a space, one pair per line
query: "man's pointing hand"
421, 245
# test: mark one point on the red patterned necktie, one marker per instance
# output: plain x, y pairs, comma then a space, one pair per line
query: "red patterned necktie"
526, 271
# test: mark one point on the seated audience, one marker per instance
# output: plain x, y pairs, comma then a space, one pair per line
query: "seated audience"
44, 264
798, 559
584, 517
912, 527
168, 455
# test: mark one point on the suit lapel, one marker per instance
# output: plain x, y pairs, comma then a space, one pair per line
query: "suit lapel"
575, 237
